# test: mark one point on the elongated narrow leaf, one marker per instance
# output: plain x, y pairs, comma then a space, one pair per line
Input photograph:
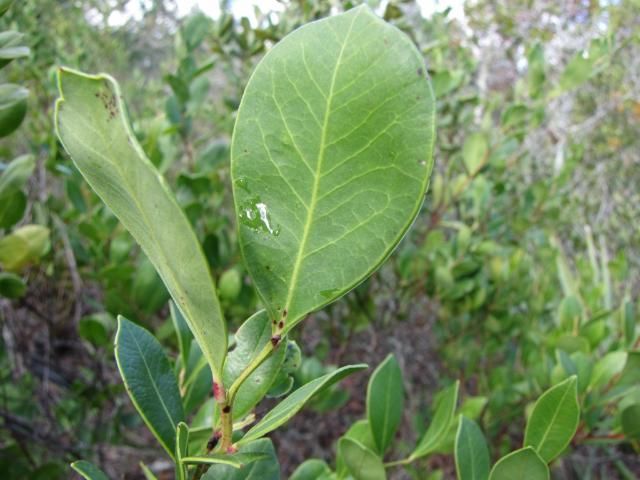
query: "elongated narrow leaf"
237, 460
523, 464
385, 402
182, 450
554, 420
13, 107
251, 338
88, 470
330, 159
361, 462
439, 427
146, 471
92, 125
150, 381
266, 468
296, 400
471, 452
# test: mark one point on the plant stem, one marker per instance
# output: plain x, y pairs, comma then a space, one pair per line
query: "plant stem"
397, 463
226, 406
226, 418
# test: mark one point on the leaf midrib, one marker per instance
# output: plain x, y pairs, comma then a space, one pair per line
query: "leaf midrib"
155, 388
553, 418
316, 179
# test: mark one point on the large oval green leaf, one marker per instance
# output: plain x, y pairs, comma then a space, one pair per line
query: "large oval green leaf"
92, 125
330, 159
385, 402
150, 382
554, 420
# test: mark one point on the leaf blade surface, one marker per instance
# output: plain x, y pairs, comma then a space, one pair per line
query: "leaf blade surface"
331, 156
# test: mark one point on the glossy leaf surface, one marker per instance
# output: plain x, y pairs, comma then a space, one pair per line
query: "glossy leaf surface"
331, 156
296, 400
93, 127
385, 402
471, 452
554, 420
150, 381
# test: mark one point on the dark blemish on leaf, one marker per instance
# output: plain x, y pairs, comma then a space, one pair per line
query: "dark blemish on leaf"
274, 322
275, 340
284, 314
226, 409
281, 325
420, 72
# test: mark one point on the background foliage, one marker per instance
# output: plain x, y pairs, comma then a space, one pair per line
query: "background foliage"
521, 270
